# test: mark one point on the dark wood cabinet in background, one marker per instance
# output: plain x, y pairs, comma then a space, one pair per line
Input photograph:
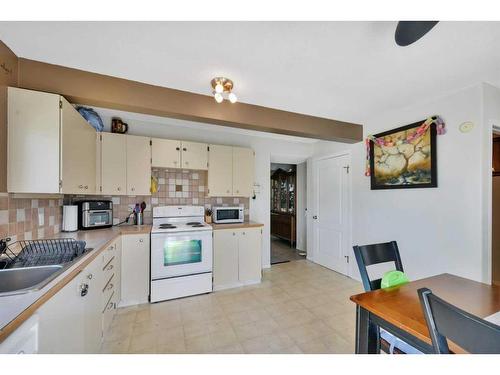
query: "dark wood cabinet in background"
283, 203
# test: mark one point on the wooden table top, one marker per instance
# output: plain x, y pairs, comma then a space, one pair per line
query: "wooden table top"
401, 305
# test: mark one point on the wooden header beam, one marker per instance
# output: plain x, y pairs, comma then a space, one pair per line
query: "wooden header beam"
99, 90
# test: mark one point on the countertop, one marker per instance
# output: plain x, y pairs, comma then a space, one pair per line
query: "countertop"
14, 310
245, 224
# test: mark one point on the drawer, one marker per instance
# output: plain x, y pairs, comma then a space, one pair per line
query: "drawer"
109, 268
108, 291
109, 253
108, 313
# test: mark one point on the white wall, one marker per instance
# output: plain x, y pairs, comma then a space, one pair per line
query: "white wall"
301, 213
268, 148
437, 229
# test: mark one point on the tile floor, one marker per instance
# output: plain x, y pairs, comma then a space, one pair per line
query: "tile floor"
282, 252
300, 307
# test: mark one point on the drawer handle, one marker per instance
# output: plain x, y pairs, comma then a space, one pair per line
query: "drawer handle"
112, 247
110, 267
86, 187
141, 240
243, 233
177, 149
80, 186
89, 276
110, 305
110, 286
118, 188
133, 189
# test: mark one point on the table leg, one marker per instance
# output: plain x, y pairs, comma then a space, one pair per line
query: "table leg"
367, 333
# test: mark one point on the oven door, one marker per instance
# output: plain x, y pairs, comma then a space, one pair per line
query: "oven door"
179, 254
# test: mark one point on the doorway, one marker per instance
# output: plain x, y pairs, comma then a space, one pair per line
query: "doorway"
495, 210
331, 218
284, 218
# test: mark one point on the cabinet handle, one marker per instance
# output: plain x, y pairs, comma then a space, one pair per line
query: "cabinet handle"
110, 267
119, 188
110, 286
187, 163
112, 247
110, 305
141, 240
243, 233
80, 186
89, 276
86, 187
184, 149
177, 148
234, 234
237, 191
133, 189
84, 289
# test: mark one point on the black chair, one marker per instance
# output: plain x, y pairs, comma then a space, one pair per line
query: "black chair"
444, 320
368, 255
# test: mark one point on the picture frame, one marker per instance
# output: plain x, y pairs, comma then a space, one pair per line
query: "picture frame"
418, 169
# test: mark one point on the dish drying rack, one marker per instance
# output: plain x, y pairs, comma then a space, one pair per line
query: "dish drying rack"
31, 253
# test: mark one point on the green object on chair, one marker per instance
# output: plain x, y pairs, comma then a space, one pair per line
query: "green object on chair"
393, 278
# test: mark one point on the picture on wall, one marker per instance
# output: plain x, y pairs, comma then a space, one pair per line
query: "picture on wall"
404, 158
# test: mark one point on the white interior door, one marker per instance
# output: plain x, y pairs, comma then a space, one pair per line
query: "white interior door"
331, 217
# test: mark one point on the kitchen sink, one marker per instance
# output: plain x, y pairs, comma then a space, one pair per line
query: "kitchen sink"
23, 280
37, 269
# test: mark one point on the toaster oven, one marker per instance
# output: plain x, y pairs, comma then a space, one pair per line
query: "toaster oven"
95, 214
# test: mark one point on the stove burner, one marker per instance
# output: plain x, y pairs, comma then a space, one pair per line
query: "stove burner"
167, 226
194, 223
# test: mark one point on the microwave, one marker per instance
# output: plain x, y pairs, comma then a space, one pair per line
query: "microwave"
228, 215
95, 214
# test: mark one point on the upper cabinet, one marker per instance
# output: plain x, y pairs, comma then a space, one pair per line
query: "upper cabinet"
230, 171
166, 153
138, 165
51, 148
125, 164
113, 164
78, 152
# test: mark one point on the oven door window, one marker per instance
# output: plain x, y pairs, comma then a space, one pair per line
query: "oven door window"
181, 252
99, 218
228, 214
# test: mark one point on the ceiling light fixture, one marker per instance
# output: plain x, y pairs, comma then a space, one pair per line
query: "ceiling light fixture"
221, 85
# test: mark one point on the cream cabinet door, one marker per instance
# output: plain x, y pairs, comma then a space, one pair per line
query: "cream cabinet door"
113, 164
243, 172
138, 165
220, 171
225, 271
134, 269
250, 255
78, 152
165, 153
194, 155
33, 141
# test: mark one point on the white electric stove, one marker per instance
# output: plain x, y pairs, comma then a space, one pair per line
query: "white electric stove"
181, 252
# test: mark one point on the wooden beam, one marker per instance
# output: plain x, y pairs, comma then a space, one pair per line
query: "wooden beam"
99, 90
8, 77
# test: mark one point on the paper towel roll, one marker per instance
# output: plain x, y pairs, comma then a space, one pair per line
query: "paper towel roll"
70, 218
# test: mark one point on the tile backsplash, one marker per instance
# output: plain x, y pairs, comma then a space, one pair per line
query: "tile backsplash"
26, 218
175, 187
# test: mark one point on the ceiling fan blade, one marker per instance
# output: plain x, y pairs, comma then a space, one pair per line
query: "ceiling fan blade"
408, 32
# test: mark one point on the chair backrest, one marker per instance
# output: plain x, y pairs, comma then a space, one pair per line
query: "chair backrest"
444, 320
368, 255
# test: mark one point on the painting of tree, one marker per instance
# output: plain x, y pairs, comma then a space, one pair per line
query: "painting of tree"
404, 160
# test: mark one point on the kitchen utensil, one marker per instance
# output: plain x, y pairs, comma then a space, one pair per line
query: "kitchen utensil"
143, 207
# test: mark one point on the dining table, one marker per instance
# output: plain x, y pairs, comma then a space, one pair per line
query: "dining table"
398, 310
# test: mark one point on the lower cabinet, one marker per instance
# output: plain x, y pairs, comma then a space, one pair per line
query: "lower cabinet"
237, 257
74, 319
135, 269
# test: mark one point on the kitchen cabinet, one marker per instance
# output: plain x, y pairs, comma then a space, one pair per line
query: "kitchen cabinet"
237, 257
220, 171
194, 155
230, 171
135, 269
78, 152
111, 289
70, 321
51, 148
138, 152
113, 164
166, 153
243, 172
